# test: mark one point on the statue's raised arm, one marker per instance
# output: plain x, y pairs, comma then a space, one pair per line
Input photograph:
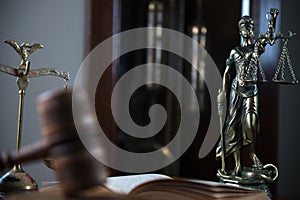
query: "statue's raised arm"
270, 37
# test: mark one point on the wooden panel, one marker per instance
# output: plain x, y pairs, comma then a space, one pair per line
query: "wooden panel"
221, 19
99, 28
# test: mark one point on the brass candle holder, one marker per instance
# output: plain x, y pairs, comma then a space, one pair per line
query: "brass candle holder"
17, 179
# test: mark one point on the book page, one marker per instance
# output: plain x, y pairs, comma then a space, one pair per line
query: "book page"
151, 185
195, 189
124, 184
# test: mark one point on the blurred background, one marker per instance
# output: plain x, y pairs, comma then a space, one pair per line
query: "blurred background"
70, 29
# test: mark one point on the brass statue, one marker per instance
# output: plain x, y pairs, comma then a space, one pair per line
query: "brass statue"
16, 179
241, 125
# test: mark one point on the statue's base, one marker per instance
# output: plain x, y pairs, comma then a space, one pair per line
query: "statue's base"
254, 178
17, 180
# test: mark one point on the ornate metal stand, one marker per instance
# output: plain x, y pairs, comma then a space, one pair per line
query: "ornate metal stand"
16, 179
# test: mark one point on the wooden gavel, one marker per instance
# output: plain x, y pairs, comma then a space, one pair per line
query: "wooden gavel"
74, 165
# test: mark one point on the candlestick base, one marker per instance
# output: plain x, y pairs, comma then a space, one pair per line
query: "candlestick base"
17, 180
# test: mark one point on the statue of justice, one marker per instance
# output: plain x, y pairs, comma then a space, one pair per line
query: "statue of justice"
241, 125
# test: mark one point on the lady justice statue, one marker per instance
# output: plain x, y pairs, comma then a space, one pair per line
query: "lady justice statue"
241, 124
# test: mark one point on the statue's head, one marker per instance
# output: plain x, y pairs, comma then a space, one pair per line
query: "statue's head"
246, 26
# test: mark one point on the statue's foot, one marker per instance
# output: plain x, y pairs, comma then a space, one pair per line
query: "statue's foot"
256, 161
237, 170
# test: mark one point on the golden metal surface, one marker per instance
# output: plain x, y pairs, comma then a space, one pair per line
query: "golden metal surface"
16, 179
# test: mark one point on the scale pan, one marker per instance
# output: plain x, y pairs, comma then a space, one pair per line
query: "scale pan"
284, 82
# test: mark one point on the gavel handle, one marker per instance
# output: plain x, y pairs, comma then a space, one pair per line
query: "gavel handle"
29, 153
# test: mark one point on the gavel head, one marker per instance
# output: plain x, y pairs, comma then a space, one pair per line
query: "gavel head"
75, 167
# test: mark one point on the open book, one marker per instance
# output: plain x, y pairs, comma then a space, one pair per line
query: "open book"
161, 187
151, 187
